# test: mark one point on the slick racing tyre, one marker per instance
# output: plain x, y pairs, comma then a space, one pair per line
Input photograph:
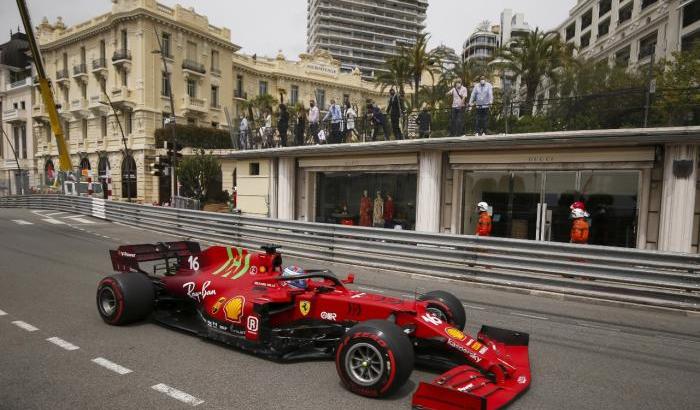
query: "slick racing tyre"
125, 298
447, 308
374, 358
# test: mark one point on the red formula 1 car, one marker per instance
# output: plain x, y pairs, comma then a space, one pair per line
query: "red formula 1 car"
246, 299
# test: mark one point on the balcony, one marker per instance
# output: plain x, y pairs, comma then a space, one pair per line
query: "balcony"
194, 105
79, 108
39, 113
121, 98
96, 106
121, 57
62, 76
193, 67
14, 115
80, 72
20, 83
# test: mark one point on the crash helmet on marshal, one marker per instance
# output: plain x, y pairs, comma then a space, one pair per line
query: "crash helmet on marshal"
291, 271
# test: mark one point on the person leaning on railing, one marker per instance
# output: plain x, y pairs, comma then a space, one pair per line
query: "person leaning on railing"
300, 127
482, 98
335, 116
424, 122
314, 121
459, 95
283, 124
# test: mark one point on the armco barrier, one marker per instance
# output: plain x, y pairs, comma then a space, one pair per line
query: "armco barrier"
628, 275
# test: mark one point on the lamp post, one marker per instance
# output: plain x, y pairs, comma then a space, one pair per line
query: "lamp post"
173, 157
126, 148
20, 186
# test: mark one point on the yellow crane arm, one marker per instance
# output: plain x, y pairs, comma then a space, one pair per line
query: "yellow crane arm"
45, 90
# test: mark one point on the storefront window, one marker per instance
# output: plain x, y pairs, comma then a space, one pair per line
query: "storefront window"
367, 199
535, 204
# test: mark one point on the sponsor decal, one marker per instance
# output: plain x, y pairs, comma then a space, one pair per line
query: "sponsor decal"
476, 346
253, 270
217, 306
200, 295
233, 310
238, 331
329, 316
236, 266
265, 284
522, 380
455, 333
215, 325
252, 324
127, 254
433, 320
483, 350
304, 307
472, 355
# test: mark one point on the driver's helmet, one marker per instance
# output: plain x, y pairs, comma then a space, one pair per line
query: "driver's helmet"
291, 271
577, 213
482, 207
578, 205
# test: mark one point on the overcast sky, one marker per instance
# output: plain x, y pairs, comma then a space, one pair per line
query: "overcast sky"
265, 26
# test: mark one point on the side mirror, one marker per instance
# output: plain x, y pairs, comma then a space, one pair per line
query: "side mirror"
350, 279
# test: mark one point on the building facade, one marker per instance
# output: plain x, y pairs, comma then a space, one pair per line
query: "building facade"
513, 25
482, 44
363, 33
15, 108
640, 186
114, 57
630, 32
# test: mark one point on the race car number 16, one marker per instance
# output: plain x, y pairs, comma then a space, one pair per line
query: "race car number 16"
194, 262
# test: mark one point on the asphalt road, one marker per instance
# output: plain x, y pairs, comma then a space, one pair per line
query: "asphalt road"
584, 355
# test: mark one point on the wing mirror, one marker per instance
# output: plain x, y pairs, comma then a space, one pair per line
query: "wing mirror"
350, 279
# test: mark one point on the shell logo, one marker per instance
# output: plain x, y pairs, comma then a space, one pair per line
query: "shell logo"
455, 333
233, 310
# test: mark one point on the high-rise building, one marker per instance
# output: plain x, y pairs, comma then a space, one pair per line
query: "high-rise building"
513, 25
363, 33
482, 44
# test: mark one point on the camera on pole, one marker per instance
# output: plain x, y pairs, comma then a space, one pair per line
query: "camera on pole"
160, 166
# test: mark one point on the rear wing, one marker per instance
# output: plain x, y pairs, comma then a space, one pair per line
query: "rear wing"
126, 258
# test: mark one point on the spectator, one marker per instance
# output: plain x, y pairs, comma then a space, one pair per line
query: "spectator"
300, 127
243, 130
424, 122
459, 95
335, 115
267, 133
313, 121
482, 98
379, 121
350, 118
395, 111
283, 124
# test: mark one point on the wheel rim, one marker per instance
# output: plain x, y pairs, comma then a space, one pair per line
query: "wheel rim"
438, 313
108, 301
364, 364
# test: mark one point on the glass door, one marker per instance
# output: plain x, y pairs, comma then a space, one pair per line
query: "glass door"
526, 194
559, 193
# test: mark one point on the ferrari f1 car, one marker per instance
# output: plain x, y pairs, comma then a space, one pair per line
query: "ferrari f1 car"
247, 299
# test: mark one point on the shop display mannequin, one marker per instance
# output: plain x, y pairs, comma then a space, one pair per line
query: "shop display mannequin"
389, 211
365, 206
378, 215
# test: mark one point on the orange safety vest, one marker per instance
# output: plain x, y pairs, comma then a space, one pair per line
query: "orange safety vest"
483, 227
579, 231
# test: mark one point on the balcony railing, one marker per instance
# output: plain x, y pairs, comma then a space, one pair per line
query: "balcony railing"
99, 63
62, 74
80, 69
192, 65
21, 83
121, 55
240, 94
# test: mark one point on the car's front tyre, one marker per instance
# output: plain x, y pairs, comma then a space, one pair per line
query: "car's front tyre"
374, 358
125, 298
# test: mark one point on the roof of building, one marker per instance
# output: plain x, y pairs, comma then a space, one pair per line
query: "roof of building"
13, 53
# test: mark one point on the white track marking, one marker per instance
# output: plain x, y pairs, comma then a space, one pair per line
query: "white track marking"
473, 307
529, 316
54, 221
22, 222
62, 343
111, 365
24, 325
370, 289
177, 394
54, 214
39, 211
2, 313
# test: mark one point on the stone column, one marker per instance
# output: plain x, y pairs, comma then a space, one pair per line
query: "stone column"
429, 183
273, 182
678, 199
286, 188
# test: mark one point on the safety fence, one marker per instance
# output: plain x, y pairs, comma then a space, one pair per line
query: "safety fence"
654, 278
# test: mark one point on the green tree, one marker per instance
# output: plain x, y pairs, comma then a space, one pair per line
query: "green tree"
534, 58
257, 106
678, 100
420, 61
199, 175
468, 71
397, 74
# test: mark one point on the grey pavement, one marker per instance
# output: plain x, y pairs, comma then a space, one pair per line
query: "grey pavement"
584, 355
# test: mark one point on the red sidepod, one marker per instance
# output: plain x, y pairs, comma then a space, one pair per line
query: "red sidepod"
467, 387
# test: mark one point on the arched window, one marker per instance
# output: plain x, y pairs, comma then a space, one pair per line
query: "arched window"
103, 168
128, 177
49, 172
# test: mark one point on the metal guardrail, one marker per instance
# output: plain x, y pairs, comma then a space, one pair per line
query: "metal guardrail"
654, 278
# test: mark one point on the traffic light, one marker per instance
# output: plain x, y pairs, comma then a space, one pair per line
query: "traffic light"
160, 167
175, 153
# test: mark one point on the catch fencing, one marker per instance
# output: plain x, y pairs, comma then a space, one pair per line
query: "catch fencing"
660, 279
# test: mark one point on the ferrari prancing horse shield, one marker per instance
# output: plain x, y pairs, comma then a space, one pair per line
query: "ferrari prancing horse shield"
304, 307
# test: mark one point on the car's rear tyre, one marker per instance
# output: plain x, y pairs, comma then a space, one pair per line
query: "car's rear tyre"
125, 298
447, 308
374, 358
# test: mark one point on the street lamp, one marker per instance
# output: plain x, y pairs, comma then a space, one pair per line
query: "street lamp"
126, 148
173, 155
